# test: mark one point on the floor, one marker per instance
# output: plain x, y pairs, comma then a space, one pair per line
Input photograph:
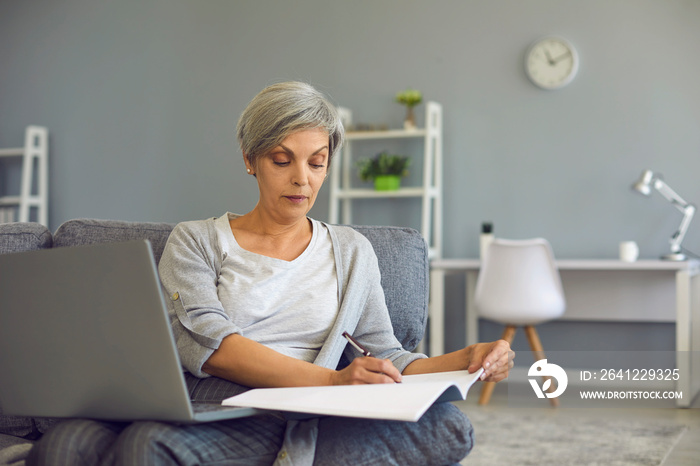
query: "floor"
685, 453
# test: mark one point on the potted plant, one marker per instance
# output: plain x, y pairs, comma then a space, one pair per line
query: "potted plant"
410, 98
385, 169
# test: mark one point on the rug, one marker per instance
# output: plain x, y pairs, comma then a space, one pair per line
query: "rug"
521, 437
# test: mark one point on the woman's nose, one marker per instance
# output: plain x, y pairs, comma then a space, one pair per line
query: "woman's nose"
300, 176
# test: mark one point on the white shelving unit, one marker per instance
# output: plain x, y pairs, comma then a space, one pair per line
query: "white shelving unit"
430, 191
33, 183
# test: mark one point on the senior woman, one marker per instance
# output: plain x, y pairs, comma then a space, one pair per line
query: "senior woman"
261, 300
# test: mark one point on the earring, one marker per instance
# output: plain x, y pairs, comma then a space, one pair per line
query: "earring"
248, 169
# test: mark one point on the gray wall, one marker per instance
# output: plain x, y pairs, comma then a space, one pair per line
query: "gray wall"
142, 97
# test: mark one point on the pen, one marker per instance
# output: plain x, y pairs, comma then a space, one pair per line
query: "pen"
357, 345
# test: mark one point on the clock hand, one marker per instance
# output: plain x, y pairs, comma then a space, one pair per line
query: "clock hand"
549, 58
561, 57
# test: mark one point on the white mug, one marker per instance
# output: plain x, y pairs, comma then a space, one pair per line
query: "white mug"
629, 251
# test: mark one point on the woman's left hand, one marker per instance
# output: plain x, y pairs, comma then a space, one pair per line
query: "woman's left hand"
496, 358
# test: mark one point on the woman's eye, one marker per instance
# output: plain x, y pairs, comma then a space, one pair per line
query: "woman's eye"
280, 163
317, 162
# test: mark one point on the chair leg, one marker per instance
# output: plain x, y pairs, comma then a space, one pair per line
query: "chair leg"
538, 352
487, 387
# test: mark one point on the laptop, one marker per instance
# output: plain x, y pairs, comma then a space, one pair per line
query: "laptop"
84, 333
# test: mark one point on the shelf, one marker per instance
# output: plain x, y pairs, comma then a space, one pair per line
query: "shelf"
16, 200
388, 134
11, 152
428, 192
32, 202
372, 193
9, 200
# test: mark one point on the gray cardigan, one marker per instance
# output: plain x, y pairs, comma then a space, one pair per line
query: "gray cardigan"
189, 268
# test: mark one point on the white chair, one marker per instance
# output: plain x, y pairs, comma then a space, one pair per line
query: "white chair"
519, 286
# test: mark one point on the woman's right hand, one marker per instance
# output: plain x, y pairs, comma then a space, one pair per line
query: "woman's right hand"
364, 370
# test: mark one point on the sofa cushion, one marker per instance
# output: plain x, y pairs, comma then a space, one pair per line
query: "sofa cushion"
18, 426
403, 262
81, 232
19, 237
401, 252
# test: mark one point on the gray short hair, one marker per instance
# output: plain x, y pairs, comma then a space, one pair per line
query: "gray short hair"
282, 109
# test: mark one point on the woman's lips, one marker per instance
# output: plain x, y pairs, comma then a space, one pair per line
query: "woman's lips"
296, 199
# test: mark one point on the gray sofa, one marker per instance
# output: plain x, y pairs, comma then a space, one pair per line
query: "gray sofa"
403, 261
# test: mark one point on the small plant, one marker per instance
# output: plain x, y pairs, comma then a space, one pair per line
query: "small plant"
409, 97
383, 164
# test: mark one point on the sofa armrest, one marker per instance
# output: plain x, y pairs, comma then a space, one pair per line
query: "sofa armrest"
21, 236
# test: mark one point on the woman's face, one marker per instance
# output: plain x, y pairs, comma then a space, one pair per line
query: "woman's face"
290, 175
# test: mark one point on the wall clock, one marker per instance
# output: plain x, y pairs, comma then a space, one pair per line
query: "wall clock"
551, 62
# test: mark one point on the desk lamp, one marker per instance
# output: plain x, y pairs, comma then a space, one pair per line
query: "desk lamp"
643, 185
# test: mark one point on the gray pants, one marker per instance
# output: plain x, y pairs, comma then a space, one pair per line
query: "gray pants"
443, 435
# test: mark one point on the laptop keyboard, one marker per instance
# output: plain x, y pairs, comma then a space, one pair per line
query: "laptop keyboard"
204, 407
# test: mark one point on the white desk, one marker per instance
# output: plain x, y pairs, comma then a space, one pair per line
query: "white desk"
600, 290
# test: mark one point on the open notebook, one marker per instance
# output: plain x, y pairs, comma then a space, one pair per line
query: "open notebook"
406, 401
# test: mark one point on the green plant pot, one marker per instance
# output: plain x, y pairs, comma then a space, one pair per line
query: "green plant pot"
387, 182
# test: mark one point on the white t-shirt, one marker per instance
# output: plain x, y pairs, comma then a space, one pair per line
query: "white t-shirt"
289, 306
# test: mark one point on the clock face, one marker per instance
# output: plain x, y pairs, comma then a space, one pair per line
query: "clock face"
551, 63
